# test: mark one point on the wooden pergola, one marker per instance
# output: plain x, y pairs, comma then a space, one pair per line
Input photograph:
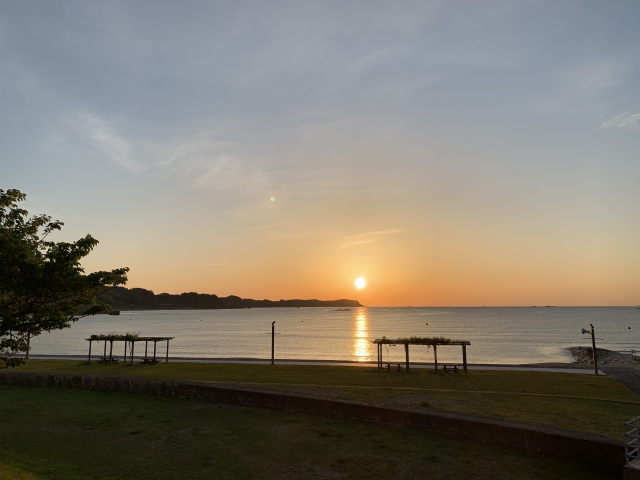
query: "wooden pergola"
427, 341
128, 339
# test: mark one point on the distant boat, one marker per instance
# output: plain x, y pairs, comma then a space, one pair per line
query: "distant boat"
342, 310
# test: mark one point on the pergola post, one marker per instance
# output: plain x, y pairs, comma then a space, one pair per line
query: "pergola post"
104, 354
146, 343
381, 356
155, 342
167, 359
464, 357
89, 351
29, 345
133, 343
111, 352
406, 352
435, 356
124, 359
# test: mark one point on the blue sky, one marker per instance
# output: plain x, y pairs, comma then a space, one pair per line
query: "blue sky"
450, 152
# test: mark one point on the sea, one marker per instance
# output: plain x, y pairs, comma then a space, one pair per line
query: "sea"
503, 335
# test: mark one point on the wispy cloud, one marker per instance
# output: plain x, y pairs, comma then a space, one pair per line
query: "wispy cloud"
273, 225
193, 154
372, 59
593, 77
106, 139
202, 157
624, 120
368, 237
581, 87
230, 173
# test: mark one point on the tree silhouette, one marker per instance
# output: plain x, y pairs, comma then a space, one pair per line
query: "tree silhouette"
43, 287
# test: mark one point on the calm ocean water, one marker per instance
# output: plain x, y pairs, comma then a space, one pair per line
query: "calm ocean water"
497, 335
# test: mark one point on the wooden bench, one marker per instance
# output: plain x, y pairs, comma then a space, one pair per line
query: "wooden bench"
389, 367
455, 368
149, 361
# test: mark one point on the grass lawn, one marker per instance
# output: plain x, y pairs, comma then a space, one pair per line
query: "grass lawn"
578, 402
72, 434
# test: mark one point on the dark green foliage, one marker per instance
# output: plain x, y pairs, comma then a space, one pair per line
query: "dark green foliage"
121, 298
42, 284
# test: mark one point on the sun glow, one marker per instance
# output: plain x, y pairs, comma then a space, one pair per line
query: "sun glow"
361, 282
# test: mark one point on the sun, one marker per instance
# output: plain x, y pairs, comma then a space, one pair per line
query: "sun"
361, 282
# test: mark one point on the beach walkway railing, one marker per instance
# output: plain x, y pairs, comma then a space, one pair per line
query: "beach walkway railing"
631, 431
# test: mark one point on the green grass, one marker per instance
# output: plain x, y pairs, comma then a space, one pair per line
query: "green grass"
572, 401
13, 473
72, 434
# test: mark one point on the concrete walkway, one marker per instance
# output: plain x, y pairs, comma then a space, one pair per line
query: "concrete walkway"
570, 367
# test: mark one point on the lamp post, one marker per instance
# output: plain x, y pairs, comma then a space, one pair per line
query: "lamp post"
273, 341
593, 346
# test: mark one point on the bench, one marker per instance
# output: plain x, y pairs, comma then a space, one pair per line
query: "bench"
149, 361
106, 360
389, 367
455, 368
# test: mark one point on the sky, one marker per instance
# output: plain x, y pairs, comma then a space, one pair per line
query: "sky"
451, 153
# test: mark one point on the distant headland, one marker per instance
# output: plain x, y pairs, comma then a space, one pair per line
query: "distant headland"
121, 298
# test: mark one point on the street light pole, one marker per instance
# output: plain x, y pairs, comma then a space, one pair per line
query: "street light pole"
593, 345
273, 342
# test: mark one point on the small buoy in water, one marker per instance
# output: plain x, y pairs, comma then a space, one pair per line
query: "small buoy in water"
629, 328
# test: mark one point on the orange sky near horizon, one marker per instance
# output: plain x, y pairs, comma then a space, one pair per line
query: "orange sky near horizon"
468, 264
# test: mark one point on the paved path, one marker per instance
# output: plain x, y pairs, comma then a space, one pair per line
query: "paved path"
554, 368
630, 377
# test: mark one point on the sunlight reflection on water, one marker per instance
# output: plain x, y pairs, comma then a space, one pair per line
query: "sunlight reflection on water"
361, 341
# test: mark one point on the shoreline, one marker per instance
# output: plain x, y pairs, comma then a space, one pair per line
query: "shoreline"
582, 359
555, 367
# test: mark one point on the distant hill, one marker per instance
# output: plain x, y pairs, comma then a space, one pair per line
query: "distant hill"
121, 298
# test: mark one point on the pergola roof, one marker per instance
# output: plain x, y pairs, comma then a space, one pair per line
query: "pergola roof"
419, 341
128, 337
